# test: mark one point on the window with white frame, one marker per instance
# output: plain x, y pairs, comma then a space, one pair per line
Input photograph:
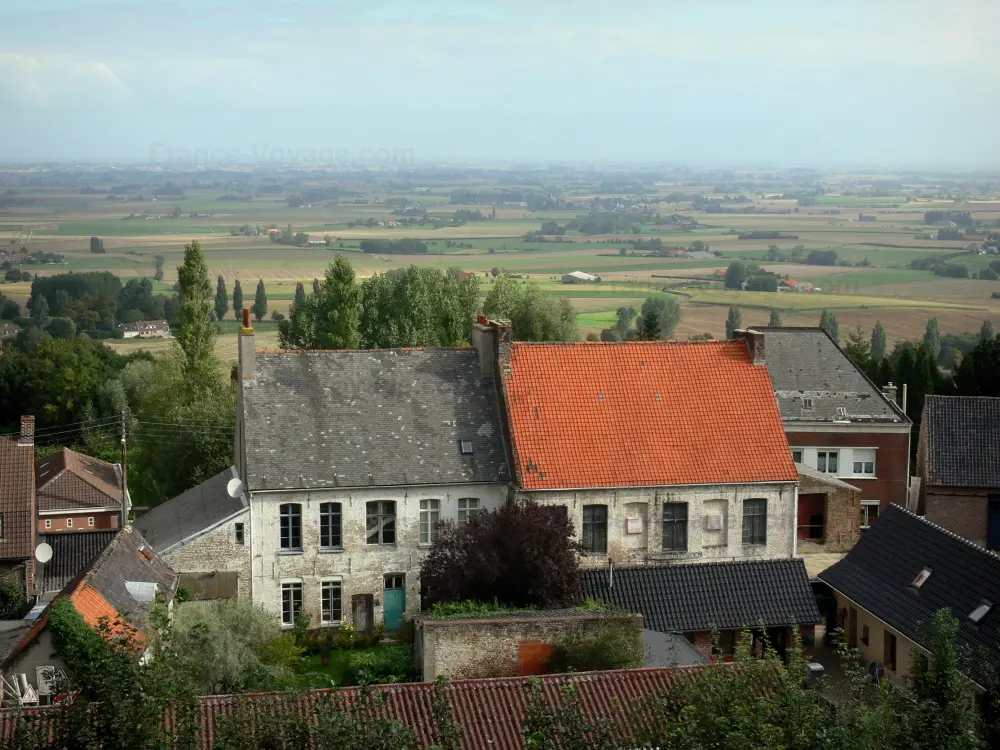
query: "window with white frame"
291, 602
331, 609
468, 507
48, 523
430, 513
797, 455
330, 535
90, 520
869, 512
828, 461
69, 523
864, 462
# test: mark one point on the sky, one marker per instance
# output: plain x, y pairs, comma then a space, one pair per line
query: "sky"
390, 82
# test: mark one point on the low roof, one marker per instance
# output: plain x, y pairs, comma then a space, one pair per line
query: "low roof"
191, 513
371, 418
963, 440
17, 498
643, 413
67, 480
807, 363
815, 477
706, 596
879, 571
71, 553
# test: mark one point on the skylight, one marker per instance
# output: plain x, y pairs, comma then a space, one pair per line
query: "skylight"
466, 447
807, 403
981, 611
921, 578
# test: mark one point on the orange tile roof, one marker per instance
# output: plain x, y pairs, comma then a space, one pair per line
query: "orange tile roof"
643, 414
92, 607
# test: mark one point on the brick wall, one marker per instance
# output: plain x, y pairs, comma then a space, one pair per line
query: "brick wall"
217, 550
489, 647
103, 521
961, 510
842, 517
702, 640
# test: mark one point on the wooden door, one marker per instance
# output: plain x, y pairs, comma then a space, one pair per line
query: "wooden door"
363, 612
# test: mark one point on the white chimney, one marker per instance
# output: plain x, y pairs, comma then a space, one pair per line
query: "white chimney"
247, 349
27, 430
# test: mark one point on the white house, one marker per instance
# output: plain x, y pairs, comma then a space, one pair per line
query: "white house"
350, 460
151, 328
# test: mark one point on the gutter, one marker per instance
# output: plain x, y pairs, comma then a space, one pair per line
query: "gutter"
657, 486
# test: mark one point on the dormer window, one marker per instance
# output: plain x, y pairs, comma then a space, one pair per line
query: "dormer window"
980, 612
841, 411
807, 403
466, 447
921, 578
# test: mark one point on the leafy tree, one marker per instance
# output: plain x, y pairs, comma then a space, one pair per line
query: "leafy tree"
734, 322
61, 328
300, 294
330, 317
13, 597
736, 274
858, 348
195, 332
158, 275
987, 332
649, 326
260, 301
9, 309
659, 317
40, 310
315, 286
221, 298
828, 322
879, 345
775, 320
96, 245
979, 372
543, 317
521, 555
13, 275
503, 297
238, 300
932, 339
494, 272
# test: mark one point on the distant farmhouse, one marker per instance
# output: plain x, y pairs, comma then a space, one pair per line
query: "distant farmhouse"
159, 329
579, 277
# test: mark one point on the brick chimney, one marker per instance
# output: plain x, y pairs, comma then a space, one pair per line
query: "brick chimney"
890, 391
484, 341
27, 430
247, 349
755, 345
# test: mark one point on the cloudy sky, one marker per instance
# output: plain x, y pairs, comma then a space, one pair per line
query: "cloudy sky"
714, 81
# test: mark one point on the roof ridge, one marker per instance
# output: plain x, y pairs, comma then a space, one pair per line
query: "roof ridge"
953, 535
701, 564
368, 351
656, 342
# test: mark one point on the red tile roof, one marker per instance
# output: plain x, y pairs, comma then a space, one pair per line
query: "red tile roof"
68, 480
490, 712
17, 499
657, 413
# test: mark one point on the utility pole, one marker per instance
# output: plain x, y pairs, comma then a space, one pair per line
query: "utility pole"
125, 504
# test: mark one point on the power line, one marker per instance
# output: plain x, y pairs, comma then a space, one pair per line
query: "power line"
63, 427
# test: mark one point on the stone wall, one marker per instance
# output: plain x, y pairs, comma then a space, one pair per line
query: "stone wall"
842, 515
217, 550
489, 647
704, 544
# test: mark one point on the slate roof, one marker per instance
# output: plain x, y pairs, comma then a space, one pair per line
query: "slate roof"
706, 596
191, 513
68, 480
962, 436
71, 553
17, 499
370, 418
877, 574
657, 413
807, 363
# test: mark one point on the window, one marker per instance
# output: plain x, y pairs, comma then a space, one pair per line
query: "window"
48, 523
981, 611
864, 462
595, 528
69, 523
675, 527
291, 602
468, 507
330, 532
812, 517
331, 610
430, 511
889, 652
921, 578
465, 446
755, 521
239, 532
807, 403
797, 455
1, 526
869, 512
826, 461
90, 521
865, 635
291, 526
381, 522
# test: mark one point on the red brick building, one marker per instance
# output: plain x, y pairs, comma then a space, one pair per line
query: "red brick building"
77, 493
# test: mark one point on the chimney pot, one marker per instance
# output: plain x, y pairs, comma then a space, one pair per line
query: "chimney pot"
27, 430
246, 317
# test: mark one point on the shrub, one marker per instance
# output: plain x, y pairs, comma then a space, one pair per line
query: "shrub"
383, 665
13, 599
614, 644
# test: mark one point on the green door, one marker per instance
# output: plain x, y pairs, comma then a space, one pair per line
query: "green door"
394, 598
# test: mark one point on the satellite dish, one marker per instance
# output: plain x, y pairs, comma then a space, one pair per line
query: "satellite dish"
235, 487
43, 552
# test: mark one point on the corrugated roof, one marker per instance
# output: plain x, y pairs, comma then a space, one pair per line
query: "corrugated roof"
643, 414
963, 440
68, 480
71, 553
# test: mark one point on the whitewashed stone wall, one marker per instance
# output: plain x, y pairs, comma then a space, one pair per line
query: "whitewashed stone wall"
217, 550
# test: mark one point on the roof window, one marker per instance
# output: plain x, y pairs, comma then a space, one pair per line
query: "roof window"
921, 578
981, 611
466, 447
807, 403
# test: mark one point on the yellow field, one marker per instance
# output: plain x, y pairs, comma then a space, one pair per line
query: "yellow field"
226, 345
815, 301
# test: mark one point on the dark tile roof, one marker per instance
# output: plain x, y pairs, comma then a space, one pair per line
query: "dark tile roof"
703, 596
963, 440
17, 499
878, 572
71, 553
68, 480
806, 363
191, 513
490, 712
371, 418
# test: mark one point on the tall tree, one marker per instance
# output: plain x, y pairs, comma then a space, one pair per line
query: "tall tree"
238, 300
96, 245
736, 274
300, 294
221, 298
734, 322
260, 301
158, 275
649, 326
775, 320
316, 286
979, 372
667, 314
932, 339
879, 345
195, 332
987, 332
40, 310
858, 348
828, 322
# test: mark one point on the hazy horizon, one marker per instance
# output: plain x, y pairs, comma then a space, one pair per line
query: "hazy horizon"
780, 84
